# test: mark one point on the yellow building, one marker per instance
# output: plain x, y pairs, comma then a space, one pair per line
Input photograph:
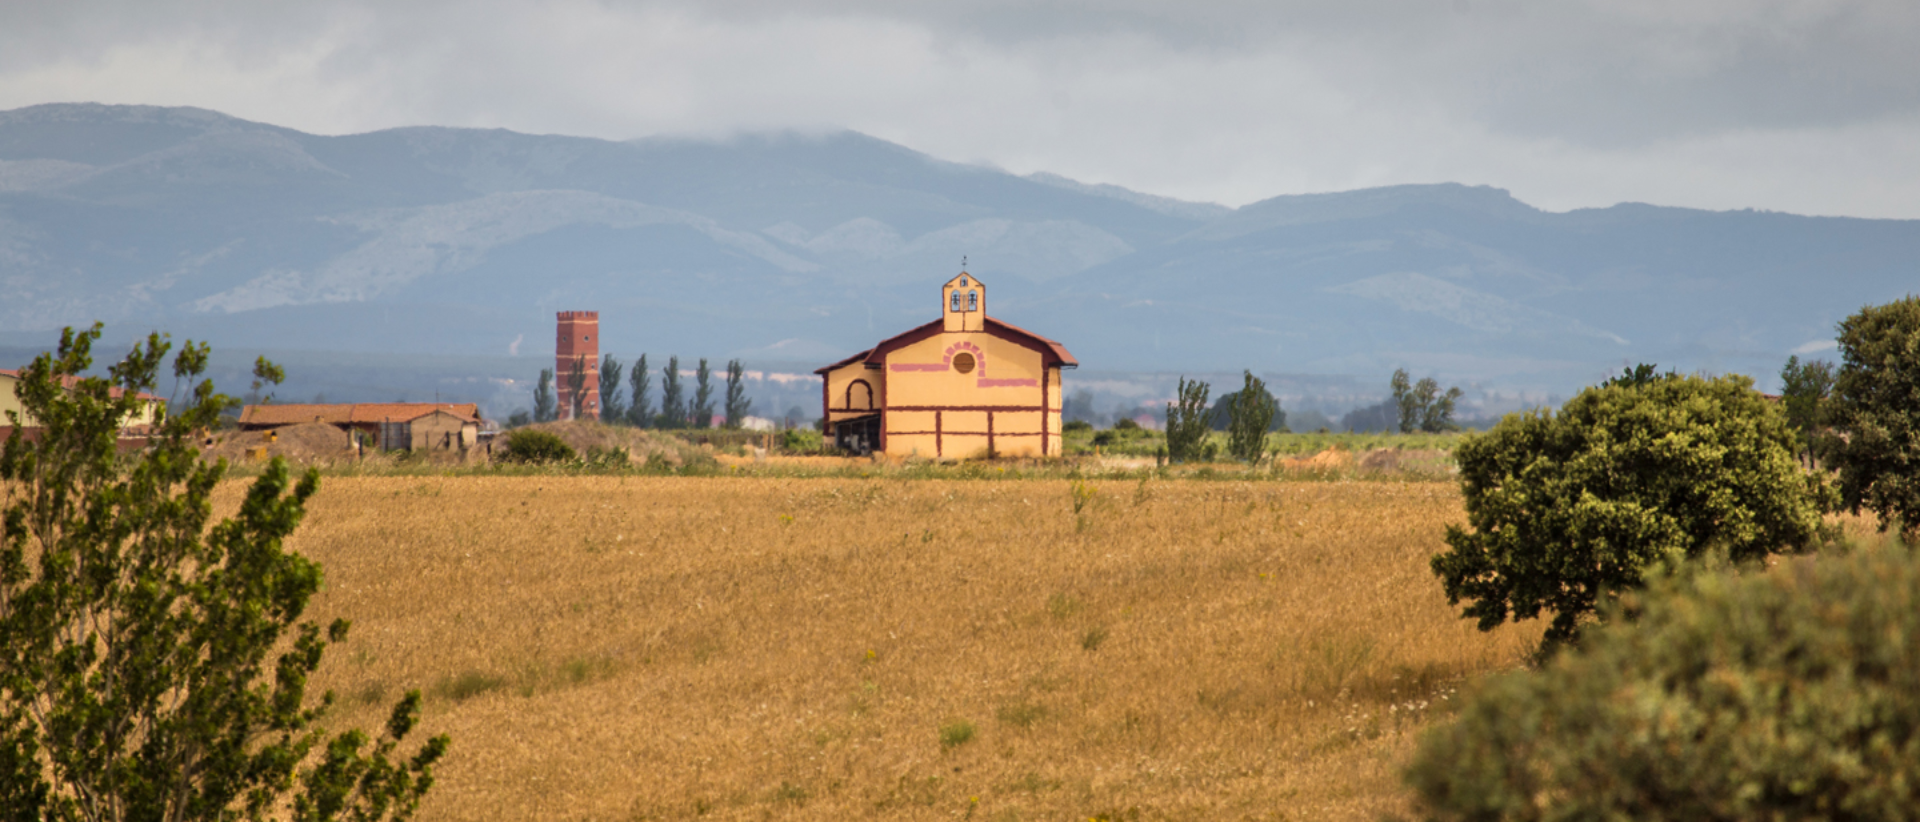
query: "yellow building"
965, 385
145, 416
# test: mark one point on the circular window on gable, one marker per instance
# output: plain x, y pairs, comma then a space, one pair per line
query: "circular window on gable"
963, 363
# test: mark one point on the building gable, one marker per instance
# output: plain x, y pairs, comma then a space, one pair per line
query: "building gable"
963, 385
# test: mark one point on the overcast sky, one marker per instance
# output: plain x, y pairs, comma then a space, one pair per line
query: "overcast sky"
1805, 106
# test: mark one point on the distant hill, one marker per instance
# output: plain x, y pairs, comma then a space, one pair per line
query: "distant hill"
802, 248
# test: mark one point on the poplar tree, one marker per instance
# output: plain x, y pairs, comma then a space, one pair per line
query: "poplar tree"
737, 403
640, 411
577, 388
154, 665
673, 407
544, 406
703, 396
612, 410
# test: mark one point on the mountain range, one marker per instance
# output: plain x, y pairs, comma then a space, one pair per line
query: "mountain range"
802, 248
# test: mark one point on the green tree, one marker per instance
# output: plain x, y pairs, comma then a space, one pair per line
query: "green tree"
639, 409
1788, 694
577, 389
703, 396
1436, 408
1250, 417
1569, 510
544, 406
738, 406
1804, 388
673, 403
153, 667
265, 375
1639, 375
1876, 407
612, 410
1422, 406
1187, 421
1404, 400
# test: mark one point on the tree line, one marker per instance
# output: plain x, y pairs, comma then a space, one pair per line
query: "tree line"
1249, 414
632, 405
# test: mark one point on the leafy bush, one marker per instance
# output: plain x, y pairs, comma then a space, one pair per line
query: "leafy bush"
1125, 424
801, 440
154, 664
1876, 402
1793, 694
531, 446
1567, 510
1071, 426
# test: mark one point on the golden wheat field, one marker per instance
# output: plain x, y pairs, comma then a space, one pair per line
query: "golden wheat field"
672, 648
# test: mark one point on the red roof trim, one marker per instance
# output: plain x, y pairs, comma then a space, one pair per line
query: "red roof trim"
860, 356
1053, 352
878, 356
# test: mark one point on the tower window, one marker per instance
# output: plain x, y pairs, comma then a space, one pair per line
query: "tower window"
973, 301
956, 301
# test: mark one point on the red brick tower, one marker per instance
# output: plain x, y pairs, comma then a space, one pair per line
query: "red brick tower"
578, 340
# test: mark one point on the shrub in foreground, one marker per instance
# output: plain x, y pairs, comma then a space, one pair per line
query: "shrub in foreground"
1793, 694
526, 445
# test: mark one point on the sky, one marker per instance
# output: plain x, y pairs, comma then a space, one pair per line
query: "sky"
1803, 106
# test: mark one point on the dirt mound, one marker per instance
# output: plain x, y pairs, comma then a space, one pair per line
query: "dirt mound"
1406, 461
301, 443
1331, 459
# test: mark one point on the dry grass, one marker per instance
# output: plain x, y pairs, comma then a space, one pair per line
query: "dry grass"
669, 648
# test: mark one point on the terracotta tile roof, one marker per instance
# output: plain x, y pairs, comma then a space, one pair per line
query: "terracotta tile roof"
352, 413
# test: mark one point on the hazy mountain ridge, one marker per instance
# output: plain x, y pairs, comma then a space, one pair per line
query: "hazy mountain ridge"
256, 235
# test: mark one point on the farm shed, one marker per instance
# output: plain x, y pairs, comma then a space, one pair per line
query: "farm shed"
386, 425
964, 385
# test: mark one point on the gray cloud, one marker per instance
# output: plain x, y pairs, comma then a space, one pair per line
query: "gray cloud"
1806, 106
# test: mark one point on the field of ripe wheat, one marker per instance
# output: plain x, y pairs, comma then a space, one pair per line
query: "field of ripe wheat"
670, 648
